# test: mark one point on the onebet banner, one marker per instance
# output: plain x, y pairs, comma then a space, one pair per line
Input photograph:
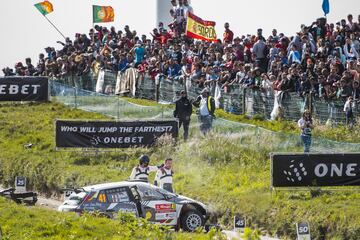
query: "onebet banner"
24, 89
200, 29
112, 134
305, 170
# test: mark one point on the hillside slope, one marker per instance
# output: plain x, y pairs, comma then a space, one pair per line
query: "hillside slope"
229, 172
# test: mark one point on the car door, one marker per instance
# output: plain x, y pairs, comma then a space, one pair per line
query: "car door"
119, 200
156, 208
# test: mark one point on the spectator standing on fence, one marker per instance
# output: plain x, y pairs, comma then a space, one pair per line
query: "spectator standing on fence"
206, 105
228, 34
306, 126
164, 176
183, 111
260, 53
348, 109
139, 52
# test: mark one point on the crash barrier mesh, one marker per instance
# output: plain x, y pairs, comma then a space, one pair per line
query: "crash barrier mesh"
247, 135
102, 103
235, 99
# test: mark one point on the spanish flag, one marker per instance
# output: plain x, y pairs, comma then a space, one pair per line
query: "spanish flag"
103, 14
200, 29
44, 7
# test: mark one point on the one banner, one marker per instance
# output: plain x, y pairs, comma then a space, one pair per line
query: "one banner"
326, 7
24, 89
44, 7
305, 170
111, 134
200, 29
103, 14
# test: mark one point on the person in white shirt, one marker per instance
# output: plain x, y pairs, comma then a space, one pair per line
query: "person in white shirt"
188, 8
141, 172
348, 109
206, 105
164, 176
180, 12
306, 125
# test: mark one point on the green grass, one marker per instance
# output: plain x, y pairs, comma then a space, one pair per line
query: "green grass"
19, 222
230, 173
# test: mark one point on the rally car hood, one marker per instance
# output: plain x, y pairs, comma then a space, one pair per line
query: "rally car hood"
179, 199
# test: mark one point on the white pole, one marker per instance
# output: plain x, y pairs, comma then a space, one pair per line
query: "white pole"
163, 8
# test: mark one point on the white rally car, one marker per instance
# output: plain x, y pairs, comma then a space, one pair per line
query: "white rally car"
142, 199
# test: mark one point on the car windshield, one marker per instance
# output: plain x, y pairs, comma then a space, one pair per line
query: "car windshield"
77, 198
166, 194
150, 192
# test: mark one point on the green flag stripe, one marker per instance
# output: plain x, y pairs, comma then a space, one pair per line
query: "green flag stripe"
96, 10
41, 9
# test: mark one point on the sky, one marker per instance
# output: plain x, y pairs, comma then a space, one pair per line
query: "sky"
25, 32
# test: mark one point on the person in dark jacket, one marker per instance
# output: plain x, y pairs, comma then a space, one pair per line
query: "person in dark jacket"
183, 111
206, 105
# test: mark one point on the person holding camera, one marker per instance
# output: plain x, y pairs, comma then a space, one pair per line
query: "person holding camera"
206, 112
306, 126
348, 109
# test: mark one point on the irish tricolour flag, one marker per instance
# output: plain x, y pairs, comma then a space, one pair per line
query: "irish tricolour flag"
44, 7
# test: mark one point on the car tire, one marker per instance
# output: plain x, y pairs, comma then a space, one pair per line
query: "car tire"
192, 220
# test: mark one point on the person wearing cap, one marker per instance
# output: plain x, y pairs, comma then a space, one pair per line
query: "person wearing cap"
306, 126
206, 105
142, 171
183, 111
164, 176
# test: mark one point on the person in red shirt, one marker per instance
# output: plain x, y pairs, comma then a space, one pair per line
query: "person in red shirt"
156, 35
165, 36
228, 34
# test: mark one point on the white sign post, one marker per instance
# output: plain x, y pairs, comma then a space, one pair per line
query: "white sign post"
303, 231
20, 184
239, 223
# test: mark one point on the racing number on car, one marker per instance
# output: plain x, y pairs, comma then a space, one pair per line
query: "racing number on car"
102, 198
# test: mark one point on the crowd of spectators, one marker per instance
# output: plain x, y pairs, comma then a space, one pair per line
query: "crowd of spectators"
321, 58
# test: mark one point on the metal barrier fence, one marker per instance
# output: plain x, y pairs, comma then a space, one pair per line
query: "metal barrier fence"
235, 100
121, 109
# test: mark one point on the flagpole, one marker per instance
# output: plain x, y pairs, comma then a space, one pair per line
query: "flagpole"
54, 26
93, 27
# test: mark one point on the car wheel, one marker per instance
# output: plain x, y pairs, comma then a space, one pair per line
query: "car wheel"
192, 220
